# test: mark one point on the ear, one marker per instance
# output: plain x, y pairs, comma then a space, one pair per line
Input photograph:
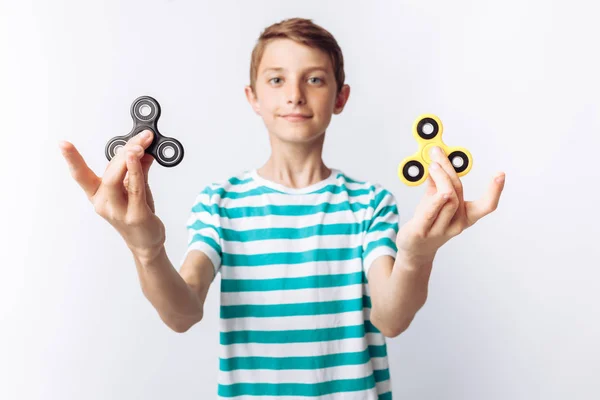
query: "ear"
252, 99
341, 99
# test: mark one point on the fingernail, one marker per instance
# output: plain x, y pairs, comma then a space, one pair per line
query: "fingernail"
433, 166
145, 134
434, 151
500, 179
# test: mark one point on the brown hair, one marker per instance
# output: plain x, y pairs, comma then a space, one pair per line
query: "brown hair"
303, 31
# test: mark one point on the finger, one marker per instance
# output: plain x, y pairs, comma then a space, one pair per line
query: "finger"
476, 210
83, 175
437, 154
445, 189
115, 172
146, 162
430, 188
150, 198
136, 189
429, 211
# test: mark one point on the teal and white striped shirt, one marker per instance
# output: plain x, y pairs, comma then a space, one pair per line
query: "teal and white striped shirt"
294, 314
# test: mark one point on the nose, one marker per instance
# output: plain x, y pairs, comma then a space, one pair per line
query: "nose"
295, 94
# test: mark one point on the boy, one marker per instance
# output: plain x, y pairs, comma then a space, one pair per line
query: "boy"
315, 272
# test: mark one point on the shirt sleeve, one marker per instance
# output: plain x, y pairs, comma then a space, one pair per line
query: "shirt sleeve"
204, 229
381, 228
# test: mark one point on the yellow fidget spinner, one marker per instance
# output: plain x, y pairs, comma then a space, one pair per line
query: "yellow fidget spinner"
428, 131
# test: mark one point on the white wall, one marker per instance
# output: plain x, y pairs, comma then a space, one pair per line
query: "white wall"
513, 305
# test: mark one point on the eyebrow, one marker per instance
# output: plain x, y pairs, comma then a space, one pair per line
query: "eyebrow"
280, 69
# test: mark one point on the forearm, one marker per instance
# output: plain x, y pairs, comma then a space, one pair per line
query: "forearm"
403, 295
174, 300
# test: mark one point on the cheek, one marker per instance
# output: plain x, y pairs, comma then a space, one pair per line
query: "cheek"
325, 105
268, 107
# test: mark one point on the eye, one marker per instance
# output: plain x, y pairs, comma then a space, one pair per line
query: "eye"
271, 80
317, 78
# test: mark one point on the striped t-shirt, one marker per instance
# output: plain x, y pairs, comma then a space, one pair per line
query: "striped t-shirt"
294, 313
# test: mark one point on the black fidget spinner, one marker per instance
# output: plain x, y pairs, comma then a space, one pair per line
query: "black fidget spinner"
145, 112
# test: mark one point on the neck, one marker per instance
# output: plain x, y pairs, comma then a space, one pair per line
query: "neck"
295, 165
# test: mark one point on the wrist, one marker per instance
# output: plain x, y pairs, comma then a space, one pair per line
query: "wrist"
413, 262
148, 256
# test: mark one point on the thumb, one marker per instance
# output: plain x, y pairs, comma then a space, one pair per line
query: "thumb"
136, 188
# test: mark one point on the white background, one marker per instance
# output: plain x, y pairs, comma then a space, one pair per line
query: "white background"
513, 305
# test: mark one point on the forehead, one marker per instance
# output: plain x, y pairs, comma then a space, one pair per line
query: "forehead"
289, 55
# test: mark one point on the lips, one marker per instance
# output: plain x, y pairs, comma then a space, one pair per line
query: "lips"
296, 117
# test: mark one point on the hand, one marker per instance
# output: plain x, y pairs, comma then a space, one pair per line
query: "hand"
438, 219
122, 196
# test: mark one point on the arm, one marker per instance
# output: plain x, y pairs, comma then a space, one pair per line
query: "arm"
123, 198
398, 290
177, 297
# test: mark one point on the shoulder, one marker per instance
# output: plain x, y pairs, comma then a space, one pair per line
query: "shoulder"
372, 191
212, 193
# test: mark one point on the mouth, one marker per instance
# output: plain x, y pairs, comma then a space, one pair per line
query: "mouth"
296, 117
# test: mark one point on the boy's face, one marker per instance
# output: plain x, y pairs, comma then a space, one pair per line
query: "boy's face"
293, 78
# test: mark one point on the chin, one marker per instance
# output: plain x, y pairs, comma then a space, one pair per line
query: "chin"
298, 135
